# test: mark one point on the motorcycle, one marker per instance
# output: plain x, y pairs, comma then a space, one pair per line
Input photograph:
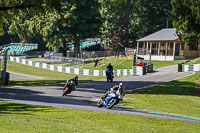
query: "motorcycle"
110, 100
69, 87
109, 75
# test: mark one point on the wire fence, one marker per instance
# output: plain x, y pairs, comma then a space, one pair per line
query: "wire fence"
66, 61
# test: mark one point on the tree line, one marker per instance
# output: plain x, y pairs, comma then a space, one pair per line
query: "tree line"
119, 23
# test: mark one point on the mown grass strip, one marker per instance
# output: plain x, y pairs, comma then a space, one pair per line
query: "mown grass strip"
17, 118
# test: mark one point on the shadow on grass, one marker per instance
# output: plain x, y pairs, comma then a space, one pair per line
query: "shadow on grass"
34, 82
21, 109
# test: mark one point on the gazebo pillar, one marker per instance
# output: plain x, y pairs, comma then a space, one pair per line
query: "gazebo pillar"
158, 48
166, 49
174, 48
151, 47
147, 45
144, 43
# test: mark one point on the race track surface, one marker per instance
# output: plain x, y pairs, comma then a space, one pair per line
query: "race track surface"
88, 91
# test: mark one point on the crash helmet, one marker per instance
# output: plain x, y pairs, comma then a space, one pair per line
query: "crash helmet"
109, 64
121, 85
76, 78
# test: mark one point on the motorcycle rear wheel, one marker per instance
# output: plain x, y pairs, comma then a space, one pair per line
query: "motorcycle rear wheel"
111, 103
66, 91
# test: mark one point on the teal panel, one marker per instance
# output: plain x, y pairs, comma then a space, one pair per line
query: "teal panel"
40, 65
48, 66
81, 71
71, 70
121, 72
26, 62
33, 63
55, 68
91, 72
63, 69
101, 72
191, 68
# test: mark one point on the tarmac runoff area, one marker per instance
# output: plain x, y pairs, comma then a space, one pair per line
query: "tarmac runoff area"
86, 95
17, 76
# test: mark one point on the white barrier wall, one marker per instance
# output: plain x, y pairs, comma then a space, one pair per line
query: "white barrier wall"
120, 72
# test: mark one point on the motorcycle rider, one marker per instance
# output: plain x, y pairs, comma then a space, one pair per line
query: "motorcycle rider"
73, 81
109, 68
117, 88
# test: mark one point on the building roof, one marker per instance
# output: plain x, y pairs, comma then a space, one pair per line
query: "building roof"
162, 35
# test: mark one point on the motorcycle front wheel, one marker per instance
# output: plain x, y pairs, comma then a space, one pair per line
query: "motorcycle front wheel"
111, 103
99, 103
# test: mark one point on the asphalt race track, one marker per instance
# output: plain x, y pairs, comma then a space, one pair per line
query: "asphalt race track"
87, 93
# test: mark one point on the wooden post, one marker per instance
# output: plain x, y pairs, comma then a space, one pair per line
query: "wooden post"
158, 48
147, 45
174, 48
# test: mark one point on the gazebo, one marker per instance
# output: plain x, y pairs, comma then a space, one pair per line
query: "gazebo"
164, 45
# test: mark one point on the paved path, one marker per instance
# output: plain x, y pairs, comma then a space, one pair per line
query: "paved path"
16, 76
50, 95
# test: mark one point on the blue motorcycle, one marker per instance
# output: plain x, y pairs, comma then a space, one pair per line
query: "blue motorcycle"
110, 100
109, 75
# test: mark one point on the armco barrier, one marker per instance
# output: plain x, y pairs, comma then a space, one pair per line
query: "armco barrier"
136, 70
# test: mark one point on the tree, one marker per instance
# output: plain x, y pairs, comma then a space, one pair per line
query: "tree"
137, 18
10, 8
185, 15
75, 20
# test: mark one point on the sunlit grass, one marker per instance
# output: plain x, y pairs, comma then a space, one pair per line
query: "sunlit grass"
176, 97
19, 118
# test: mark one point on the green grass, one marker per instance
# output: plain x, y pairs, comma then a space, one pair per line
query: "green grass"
19, 118
195, 61
47, 76
125, 63
175, 97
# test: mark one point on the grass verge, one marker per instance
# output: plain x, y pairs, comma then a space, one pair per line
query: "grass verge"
18, 118
125, 63
47, 76
175, 97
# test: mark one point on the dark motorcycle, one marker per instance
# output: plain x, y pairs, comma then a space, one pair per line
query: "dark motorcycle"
69, 87
109, 75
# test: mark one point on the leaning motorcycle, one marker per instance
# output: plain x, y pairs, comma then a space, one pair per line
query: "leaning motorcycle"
110, 100
69, 87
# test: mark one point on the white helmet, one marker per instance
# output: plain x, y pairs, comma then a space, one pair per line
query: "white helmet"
121, 85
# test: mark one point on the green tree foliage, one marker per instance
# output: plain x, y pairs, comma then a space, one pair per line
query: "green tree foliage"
186, 18
11, 8
136, 18
74, 20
